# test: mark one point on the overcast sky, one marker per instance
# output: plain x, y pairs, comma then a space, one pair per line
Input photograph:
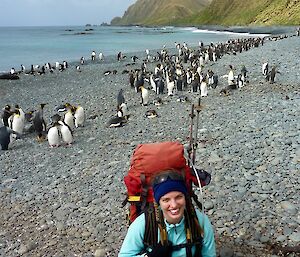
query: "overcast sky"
60, 12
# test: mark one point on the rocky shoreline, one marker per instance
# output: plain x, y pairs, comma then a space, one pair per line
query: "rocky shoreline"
67, 201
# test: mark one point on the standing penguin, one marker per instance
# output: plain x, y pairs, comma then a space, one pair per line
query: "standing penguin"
120, 97
272, 74
53, 135
69, 117
240, 81
231, 82
265, 68
16, 122
131, 78
121, 105
66, 133
5, 133
79, 116
170, 84
39, 123
22, 113
6, 113
203, 87
144, 95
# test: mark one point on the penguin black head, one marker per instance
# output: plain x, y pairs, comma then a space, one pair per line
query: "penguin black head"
7, 107
29, 116
68, 105
55, 118
43, 105
73, 109
17, 112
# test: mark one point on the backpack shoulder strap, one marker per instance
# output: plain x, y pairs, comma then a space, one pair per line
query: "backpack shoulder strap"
154, 222
194, 232
151, 227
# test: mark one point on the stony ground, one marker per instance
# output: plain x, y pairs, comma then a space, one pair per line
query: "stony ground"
66, 201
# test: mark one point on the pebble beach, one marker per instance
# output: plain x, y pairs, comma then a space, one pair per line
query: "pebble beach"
66, 201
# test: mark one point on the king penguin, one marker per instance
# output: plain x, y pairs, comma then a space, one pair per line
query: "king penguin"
39, 123
6, 113
144, 95
66, 133
69, 117
5, 133
79, 116
231, 81
53, 135
203, 87
16, 122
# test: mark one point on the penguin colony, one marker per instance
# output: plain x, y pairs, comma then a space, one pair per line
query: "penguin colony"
59, 131
185, 71
173, 75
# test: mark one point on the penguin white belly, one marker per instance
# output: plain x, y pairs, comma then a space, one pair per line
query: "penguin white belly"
69, 120
203, 89
10, 121
263, 69
206, 58
201, 61
230, 78
153, 85
145, 96
214, 57
241, 84
66, 134
124, 111
18, 124
22, 114
170, 87
79, 117
53, 137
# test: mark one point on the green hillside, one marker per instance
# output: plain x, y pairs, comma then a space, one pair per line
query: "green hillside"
211, 12
256, 12
159, 12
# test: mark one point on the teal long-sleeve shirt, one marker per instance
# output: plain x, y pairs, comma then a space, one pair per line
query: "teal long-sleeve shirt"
133, 243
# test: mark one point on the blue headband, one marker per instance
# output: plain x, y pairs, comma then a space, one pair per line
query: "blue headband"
168, 186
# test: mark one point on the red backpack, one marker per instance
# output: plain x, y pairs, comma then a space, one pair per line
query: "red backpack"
148, 160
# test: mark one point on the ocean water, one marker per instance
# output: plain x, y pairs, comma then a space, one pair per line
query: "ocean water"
38, 45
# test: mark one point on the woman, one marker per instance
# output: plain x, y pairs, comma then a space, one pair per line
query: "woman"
171, 194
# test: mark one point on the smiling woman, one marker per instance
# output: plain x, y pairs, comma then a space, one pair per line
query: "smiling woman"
176, 224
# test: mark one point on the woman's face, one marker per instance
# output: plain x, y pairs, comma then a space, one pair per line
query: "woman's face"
173, 205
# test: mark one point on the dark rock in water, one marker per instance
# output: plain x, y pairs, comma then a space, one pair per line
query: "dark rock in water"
9, 76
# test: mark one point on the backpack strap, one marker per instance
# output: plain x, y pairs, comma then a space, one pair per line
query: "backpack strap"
194, 232
161, 225
154, 222
151, 227
195, 198
144, 191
